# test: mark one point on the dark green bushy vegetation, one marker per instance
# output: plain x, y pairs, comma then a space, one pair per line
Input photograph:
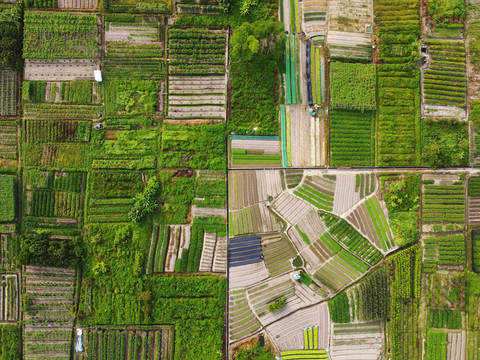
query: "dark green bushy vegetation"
339, 308
11, 35
10, 342
444, 143
257, 59
402, 197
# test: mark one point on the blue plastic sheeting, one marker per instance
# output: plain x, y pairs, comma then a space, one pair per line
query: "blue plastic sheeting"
246, 254
242, 239
246, 243
309, 77
248, 262
254, 137
245, 249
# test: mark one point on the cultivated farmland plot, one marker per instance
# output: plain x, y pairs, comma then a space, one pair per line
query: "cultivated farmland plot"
303, 137
349, 45
287, 333
256, 219
443, 204
314, 17
7, 251
242, 276
60, 69
51, 291
146, 33
152, 342
214, 253
60, 35
317, 254
197, 89
242, 321
9, 298
444, 81
359, 340
278, 253
8, 92
456, 345
250, 187
8, 140
179, 240
77, 4
350, 15
308, 229
346, 193
370, 219
297, 296
255, 151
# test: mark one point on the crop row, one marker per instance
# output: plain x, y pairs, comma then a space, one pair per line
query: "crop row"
351, 138
61, 204
142, 68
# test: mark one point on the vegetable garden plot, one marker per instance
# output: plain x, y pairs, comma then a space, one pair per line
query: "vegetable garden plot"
144, 32
314, 18
62, 111
7, 189
291, 208
277, 253
398, 116
352, 86
210, 190
60, 69
256, 219
456, 345
371, 219
444, 82
77, 4
242, 321
8, 140
54, 199
59, 35
349, 340
352, 137
291, 69
349, 15
350, 45
365, 184
199, 147
9, 301
214, 253
441, 319
346, 193
404, 276
443, 204
51, 291
48, 131
319, 252
148, 342
310, 227
75, 92
347, 235
436, 345
317, 71
250, 187
288, 332
371, 296
450, 250
8, 92
197, 88
200, 7
8, 251
341, 270
303, 137
246, 275
255, 151
261, 295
